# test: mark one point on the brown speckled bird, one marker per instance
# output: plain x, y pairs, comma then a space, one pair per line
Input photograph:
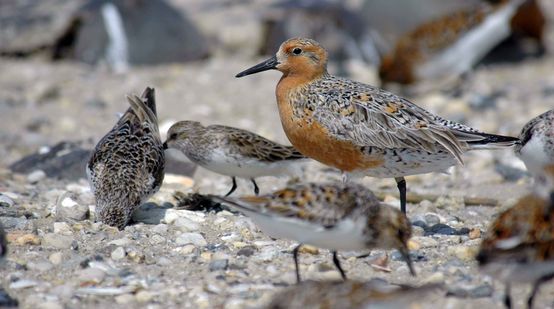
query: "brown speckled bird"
536, 145
361, 129
127, 164
233, 152
330, 216
519, 245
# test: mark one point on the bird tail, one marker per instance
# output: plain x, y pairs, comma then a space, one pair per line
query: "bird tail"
492, 141
246, 205
142, 107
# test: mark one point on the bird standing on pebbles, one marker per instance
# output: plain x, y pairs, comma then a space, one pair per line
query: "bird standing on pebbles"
330, 216
233, 152
519, 246
127, 165
536, 142
361, 129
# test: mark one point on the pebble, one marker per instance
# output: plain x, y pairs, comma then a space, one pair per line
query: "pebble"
464, 253
62, 228
136, 256
157, 239
191, 238
40, 266
56, 258
444, 229
246, 251
481, 291
219, 265
91, 276
25, 239
121, 242
432, 219
36, 176
6, 201
68, 209
50, 305
186, 225
187, 249
57, 241
474, 233
23, 284
144, 296
173, 214
160, 228
118, 253
308, 249
437, 277
124, 299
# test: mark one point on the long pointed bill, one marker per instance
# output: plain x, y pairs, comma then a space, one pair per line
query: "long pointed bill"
269, 64
406, 255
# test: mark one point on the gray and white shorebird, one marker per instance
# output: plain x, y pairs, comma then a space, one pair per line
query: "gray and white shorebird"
519, 245
350, 294
360, 129
233, 152
335, 216
127, 165
536, 142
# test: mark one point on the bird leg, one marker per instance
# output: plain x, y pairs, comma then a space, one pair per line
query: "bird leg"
256, 189
507, 297
337, 264
295, 256
233, 188
401, 184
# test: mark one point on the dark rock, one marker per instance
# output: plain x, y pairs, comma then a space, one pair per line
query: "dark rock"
246, 251
416, 256
219, 265
6, 301
65, 160
475, 292
444, 229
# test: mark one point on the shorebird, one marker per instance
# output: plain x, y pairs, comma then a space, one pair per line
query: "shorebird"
361, 129
349, 294
536, 145
519, 245
452, 45
127, 164
330, 216
233, 152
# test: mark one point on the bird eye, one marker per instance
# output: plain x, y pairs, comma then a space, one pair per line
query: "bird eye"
297, 51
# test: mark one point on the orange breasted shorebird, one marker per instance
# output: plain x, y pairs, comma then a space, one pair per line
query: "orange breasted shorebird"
330, 216
536, 145
127, 165
361, 129
233, 152
519, 245
452, 45
350, 294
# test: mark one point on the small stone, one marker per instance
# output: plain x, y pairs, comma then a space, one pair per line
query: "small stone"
464, 253
191, 238
246, 251
474, 233
23, 284
91, 276
118, 253
57, 241
160, 228
136, 256
432, 219
187, 249
6, 300
425, 242
267, 254
40, 266
67, 209
6, 201
56, 258
36, 176
218, 265
413, 245
62, 228
157, 239
124, 299
186, 225
437, 277
50, 305
23, 239
121, 242
475, 292
309, 249
144, 296
444, 229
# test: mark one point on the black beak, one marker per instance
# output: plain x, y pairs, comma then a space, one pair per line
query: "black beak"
269, 64
165, 146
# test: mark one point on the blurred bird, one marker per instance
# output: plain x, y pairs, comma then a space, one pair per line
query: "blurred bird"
330, 216
519, 245
451, 45
233, 152
361, 129
536, 145
127, 165
3, 243
349, 294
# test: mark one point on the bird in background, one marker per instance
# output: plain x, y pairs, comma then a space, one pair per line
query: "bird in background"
233, 152
450, 46
536, 143
361, 129
127, 165
331, 216
519, 245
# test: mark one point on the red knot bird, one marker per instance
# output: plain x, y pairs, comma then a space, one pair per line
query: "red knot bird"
233, 152
536, 146
127, 165
361, 129
331, 216
451, 45
350, 294
519, 245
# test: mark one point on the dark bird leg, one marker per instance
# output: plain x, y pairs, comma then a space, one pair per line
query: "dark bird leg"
406, 255
507, 297
536, 286
256, 189
295, 256
401, 184
233, 188
337, 264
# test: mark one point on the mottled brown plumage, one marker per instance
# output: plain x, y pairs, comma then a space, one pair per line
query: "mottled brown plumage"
127, 165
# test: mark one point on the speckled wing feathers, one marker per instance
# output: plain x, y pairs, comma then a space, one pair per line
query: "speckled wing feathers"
250, 144
373, 117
